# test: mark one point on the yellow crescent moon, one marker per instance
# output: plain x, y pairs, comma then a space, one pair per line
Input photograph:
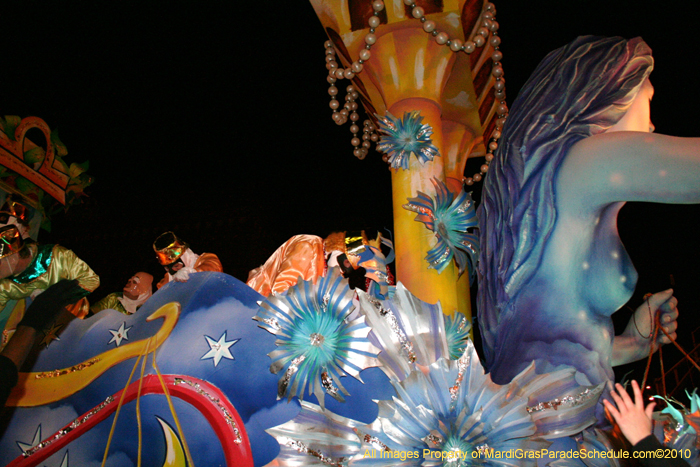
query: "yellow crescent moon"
174, 454
39, 388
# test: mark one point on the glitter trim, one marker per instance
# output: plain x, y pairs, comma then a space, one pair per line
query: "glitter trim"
304, 449
284, 381
64, 431
469, 245
462, 324
393, 323
372, 441
482, 449
434, 440
568, 401
327, 383
462, 366
316, 339
464, 206
273, 323
65, 371
227, 415
441, 259
419, 210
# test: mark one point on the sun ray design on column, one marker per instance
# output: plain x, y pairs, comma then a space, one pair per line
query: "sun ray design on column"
450, 217
320, 339
403, 137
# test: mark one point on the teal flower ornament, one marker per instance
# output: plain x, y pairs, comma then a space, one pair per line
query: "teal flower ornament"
677, 427
457, 328
401, 138
320, 339
449, 413
450, 217
444, 412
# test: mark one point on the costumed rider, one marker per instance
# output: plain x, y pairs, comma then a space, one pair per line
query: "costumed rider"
28, 268
137, 290
179, 261
361, 256
14, 211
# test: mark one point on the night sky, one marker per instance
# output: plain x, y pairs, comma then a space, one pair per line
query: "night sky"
211, 119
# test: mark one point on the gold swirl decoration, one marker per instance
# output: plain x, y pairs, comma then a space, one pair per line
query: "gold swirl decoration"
39, 388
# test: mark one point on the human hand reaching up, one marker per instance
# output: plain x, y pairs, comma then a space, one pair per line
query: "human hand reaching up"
631, 416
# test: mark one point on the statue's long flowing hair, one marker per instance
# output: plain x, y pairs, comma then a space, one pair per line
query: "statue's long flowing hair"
579, 90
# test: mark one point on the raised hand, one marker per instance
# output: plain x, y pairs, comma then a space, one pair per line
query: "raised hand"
631, 416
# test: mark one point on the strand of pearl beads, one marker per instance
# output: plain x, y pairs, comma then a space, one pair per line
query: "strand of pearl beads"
489, 27
349, 110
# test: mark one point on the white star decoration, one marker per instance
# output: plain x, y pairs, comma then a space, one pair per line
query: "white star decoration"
119, 334
219, 350
37, 439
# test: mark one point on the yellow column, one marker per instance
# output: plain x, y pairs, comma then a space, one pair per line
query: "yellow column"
413, 239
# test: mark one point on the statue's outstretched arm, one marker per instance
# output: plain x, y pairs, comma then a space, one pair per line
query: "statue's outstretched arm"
630, 166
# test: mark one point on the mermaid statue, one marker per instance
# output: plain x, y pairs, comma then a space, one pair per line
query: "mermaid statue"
578, 144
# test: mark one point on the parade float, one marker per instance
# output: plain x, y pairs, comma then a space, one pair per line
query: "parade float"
209, 372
